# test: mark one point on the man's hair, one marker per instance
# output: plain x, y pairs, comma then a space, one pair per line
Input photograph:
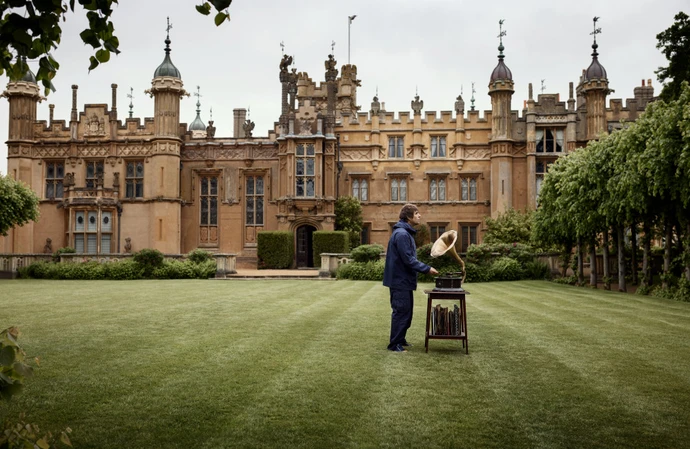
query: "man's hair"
408, 211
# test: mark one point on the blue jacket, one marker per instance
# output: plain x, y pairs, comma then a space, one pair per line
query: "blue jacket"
401, 259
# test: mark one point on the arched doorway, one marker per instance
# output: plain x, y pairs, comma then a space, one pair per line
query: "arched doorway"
304, 246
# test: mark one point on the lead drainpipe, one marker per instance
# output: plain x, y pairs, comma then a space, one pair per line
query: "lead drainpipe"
340, 168
119, 226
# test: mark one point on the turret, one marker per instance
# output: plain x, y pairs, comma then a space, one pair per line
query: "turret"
595, 86
501, 88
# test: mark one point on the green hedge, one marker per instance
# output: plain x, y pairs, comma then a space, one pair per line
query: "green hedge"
367, 253
361, 271
127, 269
275, 249
330, 242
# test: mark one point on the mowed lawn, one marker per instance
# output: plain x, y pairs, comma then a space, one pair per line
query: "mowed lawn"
263, 364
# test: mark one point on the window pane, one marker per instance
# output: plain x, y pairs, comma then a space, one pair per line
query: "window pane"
140, 189
204, 211
129, 189
99, 168
464, 191
403, 190
365, 190
391, 147
394, 190
140, 169
79, 221
434, 147
299, 170
204, 186
355, 188
250, 210
92, 225
442, 190
310, 167
130, 169
250, 185
400, 147
464, 234
310, 187
50, 171
433, 190
91, 243
214, 211
89, 170
214, 186
259, 211
473, 189
106, 221
259, 186
549, 141
299, 188
442, 147
310, 149
50, 190
79, 243
300, 150
105, 244
473, 235
59, 192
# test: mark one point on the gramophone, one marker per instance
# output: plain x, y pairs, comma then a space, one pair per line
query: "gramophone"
448, 282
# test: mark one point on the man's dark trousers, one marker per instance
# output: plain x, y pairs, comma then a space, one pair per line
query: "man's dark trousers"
401, 318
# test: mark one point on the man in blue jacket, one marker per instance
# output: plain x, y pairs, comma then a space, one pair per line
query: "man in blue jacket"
400, 274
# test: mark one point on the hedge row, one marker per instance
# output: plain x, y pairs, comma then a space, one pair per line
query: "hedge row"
275, 249
330, 242
127, 269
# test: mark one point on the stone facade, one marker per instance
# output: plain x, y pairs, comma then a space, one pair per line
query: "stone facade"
155, 184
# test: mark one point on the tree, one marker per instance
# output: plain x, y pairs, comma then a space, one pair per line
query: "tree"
348, 217
675, 45
31, 29
512, 226
18, 204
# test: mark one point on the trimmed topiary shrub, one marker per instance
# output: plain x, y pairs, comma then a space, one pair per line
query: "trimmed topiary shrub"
361, 271
149, 259
65, 250
506, 269
199, 256
275, 249
330, 242
367, 253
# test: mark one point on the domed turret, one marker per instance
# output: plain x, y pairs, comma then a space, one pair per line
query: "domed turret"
29, 76
167, 68
595, 71
501, 72
197, 127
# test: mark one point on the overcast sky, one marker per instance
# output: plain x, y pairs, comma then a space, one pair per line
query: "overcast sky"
437, 47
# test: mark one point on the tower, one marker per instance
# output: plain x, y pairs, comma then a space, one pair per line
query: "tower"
501, 88
23, 96
163, 167
595, 86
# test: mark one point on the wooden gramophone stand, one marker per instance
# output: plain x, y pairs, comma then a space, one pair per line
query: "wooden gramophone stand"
435, 295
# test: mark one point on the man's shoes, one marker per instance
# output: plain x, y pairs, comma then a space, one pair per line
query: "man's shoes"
397, 348
409, 345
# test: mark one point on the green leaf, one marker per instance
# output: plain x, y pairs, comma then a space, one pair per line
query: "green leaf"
103, 55
220, 18
221, 4
89, 37
7, 356
22, 37
112, 44
204, 8
23, 369
94, 63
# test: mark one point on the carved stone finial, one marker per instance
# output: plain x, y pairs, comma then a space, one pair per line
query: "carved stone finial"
248, 127
460, 105
331, 71
48, 248
284, 64
375, 106
210, 130
417, 105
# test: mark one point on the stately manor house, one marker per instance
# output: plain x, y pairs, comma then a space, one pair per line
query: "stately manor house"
112, 185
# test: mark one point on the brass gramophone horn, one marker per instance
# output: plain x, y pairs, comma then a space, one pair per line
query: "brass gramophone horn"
446, 244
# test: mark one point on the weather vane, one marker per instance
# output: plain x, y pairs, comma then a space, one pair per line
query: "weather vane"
282, 47
211, 113
332, 46
130, 95
249, 111
501, 32
596, 30
543, 86
472, 99
169, 27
